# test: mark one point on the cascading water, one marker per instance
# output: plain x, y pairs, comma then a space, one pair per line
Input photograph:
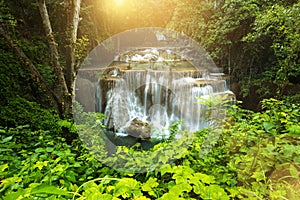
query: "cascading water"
154, 96
152, 84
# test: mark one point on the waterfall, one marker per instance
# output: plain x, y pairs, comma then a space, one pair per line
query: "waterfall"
159, 98
152, 85
147, 89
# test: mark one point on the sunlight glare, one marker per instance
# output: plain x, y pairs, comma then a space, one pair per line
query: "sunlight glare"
119, 2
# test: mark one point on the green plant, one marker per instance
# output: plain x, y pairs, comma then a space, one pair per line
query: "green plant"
255, 157
20, 111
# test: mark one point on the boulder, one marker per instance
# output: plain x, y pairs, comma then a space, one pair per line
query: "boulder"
138, 129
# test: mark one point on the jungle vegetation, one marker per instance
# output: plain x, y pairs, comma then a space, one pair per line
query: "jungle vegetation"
256, 42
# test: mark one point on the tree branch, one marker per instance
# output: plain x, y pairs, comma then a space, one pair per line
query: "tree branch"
20, 53
75, 30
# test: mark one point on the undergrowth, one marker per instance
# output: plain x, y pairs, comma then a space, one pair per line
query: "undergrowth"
257, 156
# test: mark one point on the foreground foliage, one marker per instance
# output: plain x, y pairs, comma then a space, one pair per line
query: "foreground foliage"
256, 157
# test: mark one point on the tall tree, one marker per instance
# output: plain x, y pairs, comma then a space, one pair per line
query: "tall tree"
280, 25
64, 94
256, 41
64, 63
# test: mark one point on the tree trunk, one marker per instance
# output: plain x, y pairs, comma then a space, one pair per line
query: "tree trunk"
72, 66
60, 84
65, 85
62, 92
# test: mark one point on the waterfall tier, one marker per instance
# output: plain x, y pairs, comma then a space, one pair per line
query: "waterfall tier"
143, 91
158, 97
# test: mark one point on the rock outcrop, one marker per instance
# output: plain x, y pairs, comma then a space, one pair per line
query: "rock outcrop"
139, 129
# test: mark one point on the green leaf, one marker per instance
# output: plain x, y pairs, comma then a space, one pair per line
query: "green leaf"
198, 187
40, 164
163, 158
215, 192
6, 139
39, 150
71, 176
48, 189
165, 169
77, 164
268, 126
150, 184
14, 195
3, 167
11, 180
259, 176
93, 193
126, 187
294, 129
170, 196
180, 188
23, 126
105, 197
123, 191
3, 150
49, 149
204, 178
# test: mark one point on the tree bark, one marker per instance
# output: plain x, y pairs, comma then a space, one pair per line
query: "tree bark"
72, 66
65, 75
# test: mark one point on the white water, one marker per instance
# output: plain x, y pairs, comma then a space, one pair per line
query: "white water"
160, 98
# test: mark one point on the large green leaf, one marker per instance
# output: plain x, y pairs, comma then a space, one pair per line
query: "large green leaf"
48, 189
268, 126
6, 139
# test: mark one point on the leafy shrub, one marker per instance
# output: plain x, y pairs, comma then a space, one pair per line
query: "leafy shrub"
35, 163
243, 164
20, 111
